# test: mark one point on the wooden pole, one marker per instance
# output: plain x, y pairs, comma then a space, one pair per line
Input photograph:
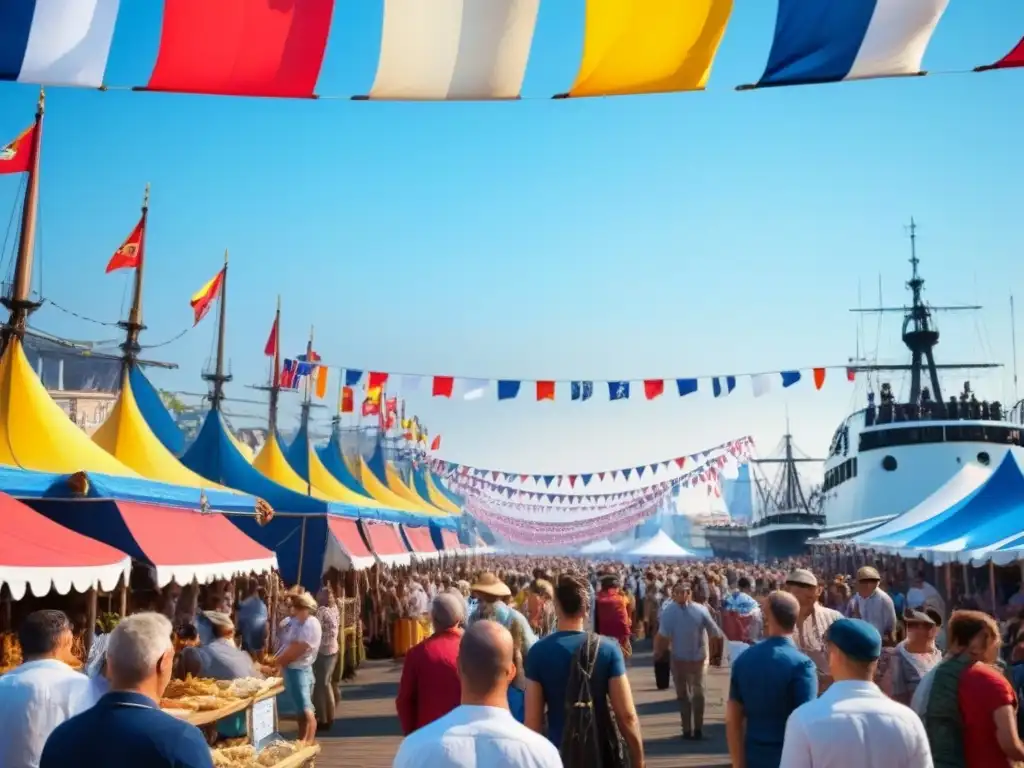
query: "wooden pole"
90, 620
122, 595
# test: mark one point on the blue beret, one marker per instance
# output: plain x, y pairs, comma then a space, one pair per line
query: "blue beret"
857, 639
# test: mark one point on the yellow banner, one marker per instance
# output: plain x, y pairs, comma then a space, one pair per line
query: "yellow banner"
649, 46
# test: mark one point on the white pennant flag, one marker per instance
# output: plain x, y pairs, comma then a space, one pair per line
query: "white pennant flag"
410, 383
761, 383
473, 389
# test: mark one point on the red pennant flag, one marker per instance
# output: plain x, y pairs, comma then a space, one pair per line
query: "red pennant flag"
819, 377
129, 255
572, 481
205, 296
522, 478
600, 475
443, 387
377, 379
436, 444
654, 388
16, 157
680, 461
347, 400
545, 390
851, 374
270, 349
391, 404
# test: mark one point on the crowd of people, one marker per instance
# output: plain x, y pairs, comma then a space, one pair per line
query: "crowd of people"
526, 665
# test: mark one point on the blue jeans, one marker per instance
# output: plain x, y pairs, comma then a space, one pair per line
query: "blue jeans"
299, 685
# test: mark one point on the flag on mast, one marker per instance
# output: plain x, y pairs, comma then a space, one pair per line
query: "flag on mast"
16, 157
129, 255
205, 296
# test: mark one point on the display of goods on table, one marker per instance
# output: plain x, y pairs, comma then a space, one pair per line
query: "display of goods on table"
277, 754
184, 698
11, 657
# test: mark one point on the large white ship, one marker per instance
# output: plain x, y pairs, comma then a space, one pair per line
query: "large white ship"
888, 457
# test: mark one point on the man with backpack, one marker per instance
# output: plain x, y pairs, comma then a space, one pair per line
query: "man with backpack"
579, 680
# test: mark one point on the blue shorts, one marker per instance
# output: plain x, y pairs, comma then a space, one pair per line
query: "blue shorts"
299, 685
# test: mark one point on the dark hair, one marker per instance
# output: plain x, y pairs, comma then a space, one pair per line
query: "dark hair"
964, 626
572, 594
40, 632
785, 609
743, 582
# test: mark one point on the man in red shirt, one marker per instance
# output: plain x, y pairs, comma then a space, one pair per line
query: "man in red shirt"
430, 687
613, 614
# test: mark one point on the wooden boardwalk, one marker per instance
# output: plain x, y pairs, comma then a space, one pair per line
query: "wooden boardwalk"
366, 733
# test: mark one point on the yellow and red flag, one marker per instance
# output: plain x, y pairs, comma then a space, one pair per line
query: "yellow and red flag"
16, 157
371, 405
129, 255
205, 296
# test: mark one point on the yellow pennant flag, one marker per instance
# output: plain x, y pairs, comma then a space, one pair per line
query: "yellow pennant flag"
649, 46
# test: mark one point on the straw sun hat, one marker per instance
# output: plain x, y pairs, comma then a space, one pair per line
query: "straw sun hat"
489, 584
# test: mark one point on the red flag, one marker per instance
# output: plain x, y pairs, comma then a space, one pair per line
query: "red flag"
545, 390
347, 400
654, 388
680, 461
443, 386
271, 347
16, 157
819, 378
436, 444
391, 405
129, 255
851, 374
377, 380
205, 296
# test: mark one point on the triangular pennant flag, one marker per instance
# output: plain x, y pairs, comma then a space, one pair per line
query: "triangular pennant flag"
819, 378
600, 476
640, 472
626, 473
586, 479
572, 481
548, 479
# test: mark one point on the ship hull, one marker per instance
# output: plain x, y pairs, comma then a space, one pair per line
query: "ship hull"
762, 543
882, 471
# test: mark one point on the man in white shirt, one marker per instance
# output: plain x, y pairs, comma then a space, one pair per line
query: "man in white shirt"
481, 733
873, 605
853, 724
40, 694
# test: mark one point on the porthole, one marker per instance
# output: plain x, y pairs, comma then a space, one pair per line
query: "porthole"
984, 458
889, 464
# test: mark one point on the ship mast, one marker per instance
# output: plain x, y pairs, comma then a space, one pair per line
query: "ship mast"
133, 326
19, 300
218, 378
919, 333
785, 495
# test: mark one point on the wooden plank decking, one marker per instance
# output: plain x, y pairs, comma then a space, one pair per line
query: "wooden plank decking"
366, 733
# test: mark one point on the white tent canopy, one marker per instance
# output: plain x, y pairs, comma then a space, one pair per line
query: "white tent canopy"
599, 547
658, 546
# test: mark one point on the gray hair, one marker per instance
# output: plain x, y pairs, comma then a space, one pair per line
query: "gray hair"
136, 645
447, 611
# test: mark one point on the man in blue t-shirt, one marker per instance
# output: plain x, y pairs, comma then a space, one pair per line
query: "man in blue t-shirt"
768, 682
549, 664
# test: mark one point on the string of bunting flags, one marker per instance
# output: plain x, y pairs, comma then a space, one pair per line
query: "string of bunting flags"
546, 535
469, 479
467, 49
577, 390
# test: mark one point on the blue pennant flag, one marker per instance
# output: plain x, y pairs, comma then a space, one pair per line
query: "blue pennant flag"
548, 479
618, 390
352, 377
508, 389
640, 472
789, 378
586, 479
626, 473
536, 479
582, 390
686, 386
717, 382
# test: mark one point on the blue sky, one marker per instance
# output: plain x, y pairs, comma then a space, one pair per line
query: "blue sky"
632, 237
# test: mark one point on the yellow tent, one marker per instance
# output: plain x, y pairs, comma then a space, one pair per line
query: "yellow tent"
385, 495
36, 434
399, 486
438, 499
328, 484
126, 436
272, 463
